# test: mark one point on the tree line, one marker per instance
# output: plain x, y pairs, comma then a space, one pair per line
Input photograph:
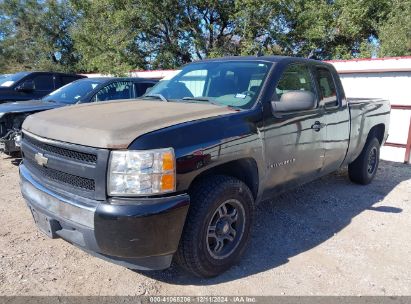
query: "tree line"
115, 36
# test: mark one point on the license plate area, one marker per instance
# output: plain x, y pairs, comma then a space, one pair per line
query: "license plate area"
45, 224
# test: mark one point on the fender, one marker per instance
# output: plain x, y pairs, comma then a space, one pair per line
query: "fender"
207, 143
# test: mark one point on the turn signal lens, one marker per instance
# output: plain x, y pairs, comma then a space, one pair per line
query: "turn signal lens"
168, 161
167, 182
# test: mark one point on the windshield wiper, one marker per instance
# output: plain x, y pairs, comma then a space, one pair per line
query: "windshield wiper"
207, 99
159, 96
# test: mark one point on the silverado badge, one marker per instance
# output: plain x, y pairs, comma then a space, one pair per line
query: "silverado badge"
283, 163
41, 159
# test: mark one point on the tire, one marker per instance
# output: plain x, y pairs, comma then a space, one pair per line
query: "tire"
208, 245
363, 169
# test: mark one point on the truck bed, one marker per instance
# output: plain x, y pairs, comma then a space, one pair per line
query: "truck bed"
366, 113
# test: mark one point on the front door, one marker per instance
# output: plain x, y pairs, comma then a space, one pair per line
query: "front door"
43, 85
294, 141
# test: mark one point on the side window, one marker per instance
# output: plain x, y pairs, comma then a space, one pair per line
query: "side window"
43, 82
141, 88
296, 77
327, 87
115, 90
67, 79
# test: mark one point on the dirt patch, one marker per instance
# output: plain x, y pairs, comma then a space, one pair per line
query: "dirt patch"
329, 237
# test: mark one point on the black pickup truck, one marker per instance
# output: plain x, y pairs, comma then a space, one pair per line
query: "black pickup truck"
32, 85
179, 172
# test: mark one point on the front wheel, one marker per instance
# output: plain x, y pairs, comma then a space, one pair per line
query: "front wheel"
363, 169
218, 226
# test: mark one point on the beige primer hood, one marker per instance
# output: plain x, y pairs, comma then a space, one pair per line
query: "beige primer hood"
115, 124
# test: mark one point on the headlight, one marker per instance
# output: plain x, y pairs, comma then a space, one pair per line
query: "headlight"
17, 140
141, 172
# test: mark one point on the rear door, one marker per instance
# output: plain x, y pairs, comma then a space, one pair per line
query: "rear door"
336, 118
294, 148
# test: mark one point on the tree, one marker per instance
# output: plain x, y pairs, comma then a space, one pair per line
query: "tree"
258, 27
210, 26
35, 35
338, 29
104, 36
395, 33
163, 36
116, 36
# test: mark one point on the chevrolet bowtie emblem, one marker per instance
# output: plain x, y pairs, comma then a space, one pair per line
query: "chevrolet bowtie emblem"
41, 159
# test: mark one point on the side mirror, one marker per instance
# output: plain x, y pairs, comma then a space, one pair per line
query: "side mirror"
294, 101
27, 86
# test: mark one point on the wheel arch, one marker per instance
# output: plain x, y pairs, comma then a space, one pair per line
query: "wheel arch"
244, 169
378, 132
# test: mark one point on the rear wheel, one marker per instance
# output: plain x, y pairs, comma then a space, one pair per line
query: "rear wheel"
364, 168
218, 226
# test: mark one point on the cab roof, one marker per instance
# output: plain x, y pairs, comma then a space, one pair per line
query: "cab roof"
274, 59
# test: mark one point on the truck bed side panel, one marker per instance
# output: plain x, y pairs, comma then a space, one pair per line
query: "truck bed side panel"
365, 114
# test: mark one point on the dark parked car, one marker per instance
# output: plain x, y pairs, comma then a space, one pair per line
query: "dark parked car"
85, 90
179, 173
32, 85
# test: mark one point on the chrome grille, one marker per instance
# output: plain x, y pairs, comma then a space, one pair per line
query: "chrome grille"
75, 155
69, 179
69, 168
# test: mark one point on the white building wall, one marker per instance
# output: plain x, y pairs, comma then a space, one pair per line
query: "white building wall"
394, 86
388, 78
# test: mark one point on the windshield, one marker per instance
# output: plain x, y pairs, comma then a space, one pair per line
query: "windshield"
72, 93
229, 83
7, 80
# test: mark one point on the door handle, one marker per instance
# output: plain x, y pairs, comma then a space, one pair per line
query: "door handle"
317, 126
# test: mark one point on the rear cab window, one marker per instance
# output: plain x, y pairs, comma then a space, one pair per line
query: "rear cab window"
327, 87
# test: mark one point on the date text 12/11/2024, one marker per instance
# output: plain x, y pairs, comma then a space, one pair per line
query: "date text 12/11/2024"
203, 299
